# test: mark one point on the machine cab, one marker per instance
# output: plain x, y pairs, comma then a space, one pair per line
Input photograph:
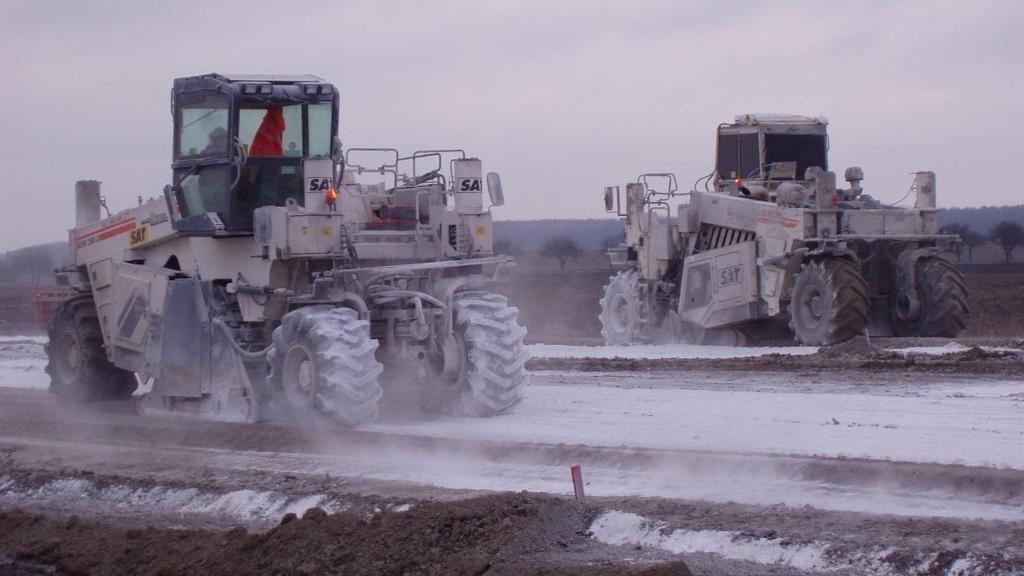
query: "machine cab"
240, 142
769, 149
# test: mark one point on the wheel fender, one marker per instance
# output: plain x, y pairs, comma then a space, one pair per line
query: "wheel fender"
833, 250
452, 357
800, 256
445, 289
906, 277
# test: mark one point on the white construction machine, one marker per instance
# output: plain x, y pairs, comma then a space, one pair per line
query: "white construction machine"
770, 241
272, 278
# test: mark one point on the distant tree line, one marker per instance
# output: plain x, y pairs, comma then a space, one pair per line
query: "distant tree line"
983, 219
1007, 234
530, 235
32, 265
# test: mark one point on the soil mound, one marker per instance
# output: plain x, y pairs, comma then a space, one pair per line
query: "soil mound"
977, 353
501, 534
856, 348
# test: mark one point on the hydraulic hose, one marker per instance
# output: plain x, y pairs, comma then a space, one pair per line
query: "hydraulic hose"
258, 355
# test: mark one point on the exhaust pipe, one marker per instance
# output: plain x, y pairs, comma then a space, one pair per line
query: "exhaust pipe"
87, 202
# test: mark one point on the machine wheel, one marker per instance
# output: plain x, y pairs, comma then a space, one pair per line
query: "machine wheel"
620, 310
943, 296
323, 358
76, 361
830, 302
492, 370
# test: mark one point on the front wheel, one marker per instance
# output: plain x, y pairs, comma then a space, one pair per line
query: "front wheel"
830, 302
620, 310
322, 358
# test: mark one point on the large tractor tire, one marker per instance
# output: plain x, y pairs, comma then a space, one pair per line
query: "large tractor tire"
942, 293
76, 360
620, 310
323, 358
492, 359
830, 302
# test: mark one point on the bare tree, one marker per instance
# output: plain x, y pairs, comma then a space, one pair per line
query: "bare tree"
969, 239
35, 260
972, 240
960, 230
562, 248
1008, 235
611, 242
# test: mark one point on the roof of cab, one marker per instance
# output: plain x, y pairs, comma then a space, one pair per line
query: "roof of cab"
272, 78
281, 78
771, 118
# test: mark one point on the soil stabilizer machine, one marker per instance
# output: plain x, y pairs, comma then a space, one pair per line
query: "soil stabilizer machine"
770, 241
271, 277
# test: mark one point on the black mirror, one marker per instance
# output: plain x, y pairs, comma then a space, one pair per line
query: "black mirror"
494, 189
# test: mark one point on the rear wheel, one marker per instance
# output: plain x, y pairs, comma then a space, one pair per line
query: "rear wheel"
830, 302
76, 360
942, 294
488, 343
620, 310
323, 358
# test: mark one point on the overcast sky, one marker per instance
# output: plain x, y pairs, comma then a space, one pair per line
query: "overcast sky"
561, 98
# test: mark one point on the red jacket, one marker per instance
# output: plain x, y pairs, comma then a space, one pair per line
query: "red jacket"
268, 139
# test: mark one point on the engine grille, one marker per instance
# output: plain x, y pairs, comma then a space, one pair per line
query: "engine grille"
711, 237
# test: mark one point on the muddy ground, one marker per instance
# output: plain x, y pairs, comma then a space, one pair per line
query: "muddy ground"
985, 356
103, 491
498, 534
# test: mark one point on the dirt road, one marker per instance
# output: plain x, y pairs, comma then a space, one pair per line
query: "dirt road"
858, 472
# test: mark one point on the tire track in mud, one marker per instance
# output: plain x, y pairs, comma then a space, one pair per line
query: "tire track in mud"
862, 485
782, 540
68, 460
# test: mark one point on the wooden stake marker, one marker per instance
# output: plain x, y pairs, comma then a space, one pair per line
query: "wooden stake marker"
577, 480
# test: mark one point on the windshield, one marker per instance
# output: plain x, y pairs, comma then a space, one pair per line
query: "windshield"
203, 125
275, 137
805, 149
296, 130
737, 155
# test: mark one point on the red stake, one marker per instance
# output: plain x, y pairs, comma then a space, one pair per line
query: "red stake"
577, 480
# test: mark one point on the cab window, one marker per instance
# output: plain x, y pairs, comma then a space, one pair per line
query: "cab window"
738, 156
805, 149
320, 129
201, 189
297, 130
203, 125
